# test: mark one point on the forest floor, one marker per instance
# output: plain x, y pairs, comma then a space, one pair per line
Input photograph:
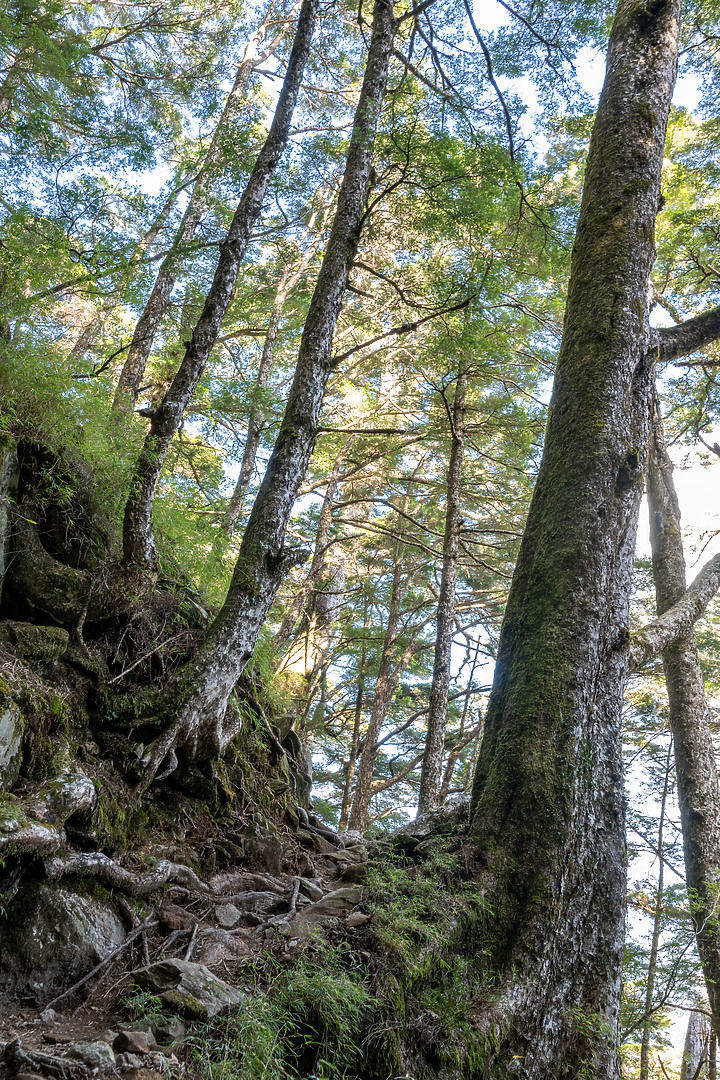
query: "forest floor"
253, 924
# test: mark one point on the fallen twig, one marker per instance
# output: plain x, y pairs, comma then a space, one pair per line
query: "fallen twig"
147, 924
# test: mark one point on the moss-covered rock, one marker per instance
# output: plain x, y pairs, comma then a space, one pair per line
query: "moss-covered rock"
31, 642
52, 936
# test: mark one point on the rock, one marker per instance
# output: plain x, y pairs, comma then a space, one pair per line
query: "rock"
214, 946
453, 815
135, 1042
312, 889
353, 872
31, 642
351, 837
52, 937
49, 1016
11, 728
189, 987
176, 918
143, 1074
96, 1055
333, 906
357, 918
168, 1030
227, 915
264, 851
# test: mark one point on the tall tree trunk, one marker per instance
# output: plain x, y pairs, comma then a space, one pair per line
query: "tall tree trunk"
657, 926
299, 603
288, 280
385, 686
138, 542
697, 781
262, 560
695, 1051
355, 741
547, 810
157, 303
431, 773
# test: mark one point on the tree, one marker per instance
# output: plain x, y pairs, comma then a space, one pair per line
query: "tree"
547, 809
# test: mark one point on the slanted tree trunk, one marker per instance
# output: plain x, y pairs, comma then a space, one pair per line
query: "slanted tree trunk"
262, 561
157, 303
138, 543
289, 279
697, 781
431, 773
547, 811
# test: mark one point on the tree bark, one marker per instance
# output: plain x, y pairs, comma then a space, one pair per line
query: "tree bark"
431, 773
157, 303
547, 809
262, 560
255, 416
138, 542
697, 781
657, 927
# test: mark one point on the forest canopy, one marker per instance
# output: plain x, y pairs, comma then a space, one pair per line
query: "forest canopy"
338, 345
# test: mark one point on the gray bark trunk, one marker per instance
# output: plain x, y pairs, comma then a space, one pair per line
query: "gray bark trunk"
299, 603
255, 415
262, 561
431, 773
657, 926
695, 1051
548, 807
138, 542
697, 782
157, 303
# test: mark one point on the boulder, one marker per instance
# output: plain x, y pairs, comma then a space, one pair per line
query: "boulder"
215, 946
333, 906
52, 937
188, 987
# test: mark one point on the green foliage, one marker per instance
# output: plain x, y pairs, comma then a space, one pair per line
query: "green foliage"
305, 1023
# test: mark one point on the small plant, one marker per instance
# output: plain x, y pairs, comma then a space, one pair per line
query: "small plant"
141, 1004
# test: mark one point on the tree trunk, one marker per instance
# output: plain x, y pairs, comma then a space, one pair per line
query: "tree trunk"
431, 773
695, 1051
255, 415
547, 809
262, 561
157, 303
138, 542
657, 927
385, 686
697, 782
299, 603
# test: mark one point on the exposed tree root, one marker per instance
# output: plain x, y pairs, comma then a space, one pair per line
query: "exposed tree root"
70, 596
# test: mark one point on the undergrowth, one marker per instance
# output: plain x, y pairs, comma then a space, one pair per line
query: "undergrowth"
303, 1022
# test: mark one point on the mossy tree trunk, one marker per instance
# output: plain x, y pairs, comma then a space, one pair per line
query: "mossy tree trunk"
697, 781
548, 809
